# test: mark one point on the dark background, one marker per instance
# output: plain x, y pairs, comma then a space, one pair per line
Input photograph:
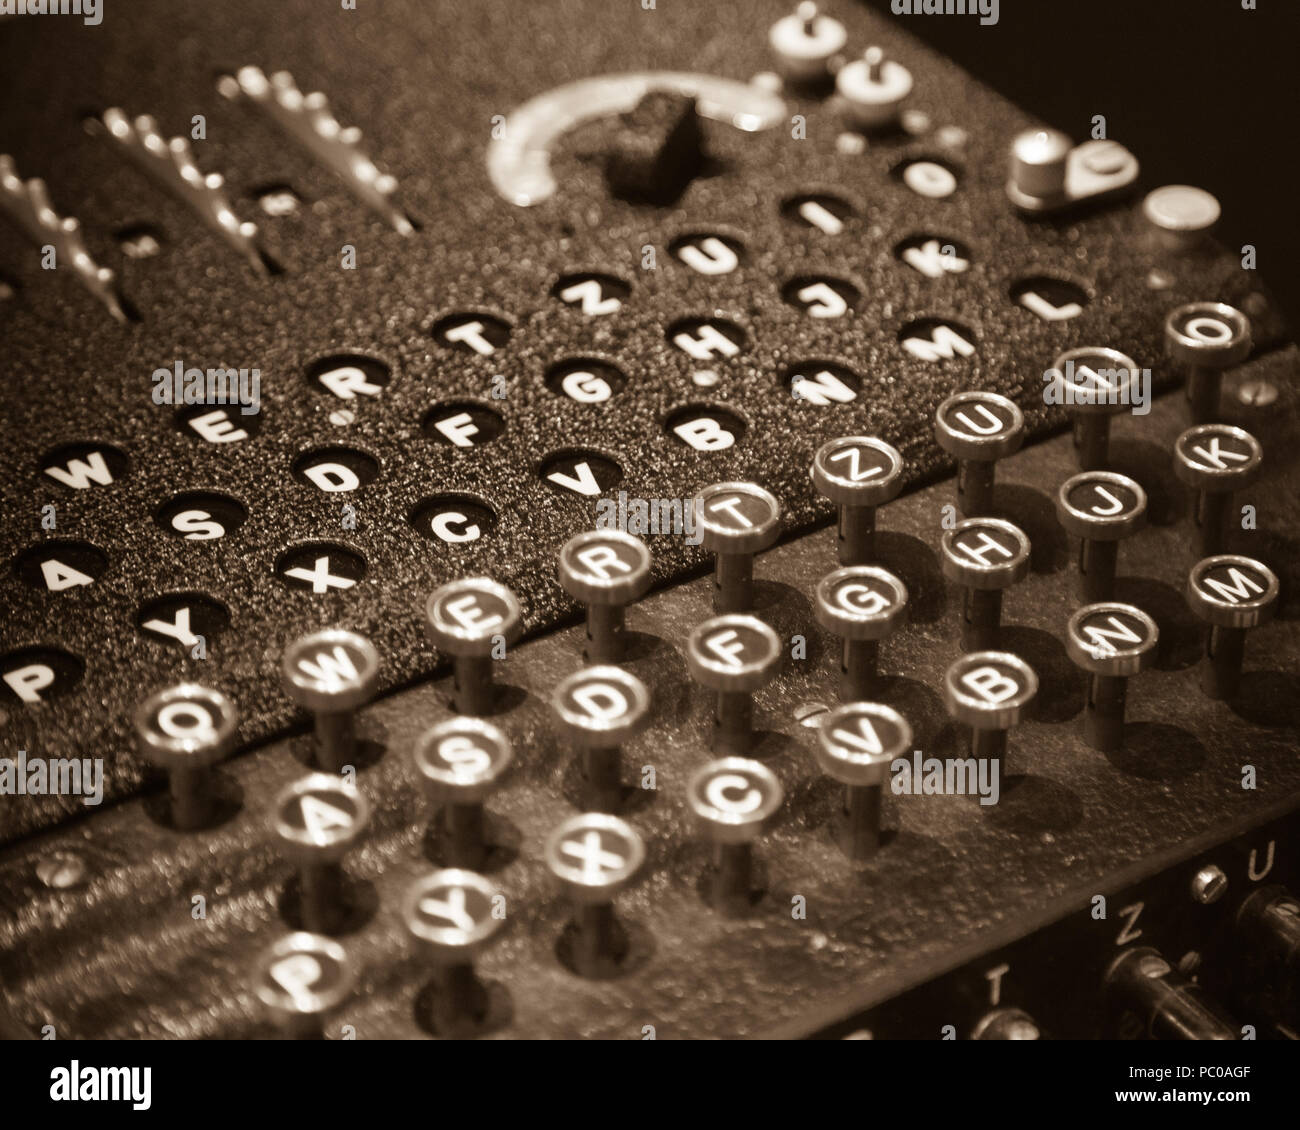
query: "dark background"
1204, 93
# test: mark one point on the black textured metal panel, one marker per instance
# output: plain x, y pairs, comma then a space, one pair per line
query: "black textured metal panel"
115, 952
424, 81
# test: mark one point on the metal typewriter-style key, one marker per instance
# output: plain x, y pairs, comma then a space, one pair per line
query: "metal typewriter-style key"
605, 569
862, 604
984, 556
473, 620
1111, 642
858, 474
332, 674
1206, 337
1100, 508
595, 856
856, 744
1232, 594
599, 709
317, 820
977, 429
734, 801
185, 730
1096, 384
1215, 460
736, 521
988, 691
456, 914
301, 979
735, 656
460, 762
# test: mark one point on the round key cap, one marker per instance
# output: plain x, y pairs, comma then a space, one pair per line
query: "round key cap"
605, 569
735, 656
862, 604
472, 620
805, 42
734, 801
858, 474
988, 690
460, 763
984, 556
599, 709
1111, 642
301, 979
736, 521
317, 820
873, 89
331, 673
1206, 337
1215, 460
977, 429
1233, 594
456, 914
856, 745
1095, 384
185, 730
1100, 508
595, 856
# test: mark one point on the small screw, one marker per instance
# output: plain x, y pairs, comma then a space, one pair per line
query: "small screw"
916, 122
1023, 1030
278, 201
1257, 393
61, 871
1152, 965
1105, 159
811, 714
1208, 885
1255, 304
951, 137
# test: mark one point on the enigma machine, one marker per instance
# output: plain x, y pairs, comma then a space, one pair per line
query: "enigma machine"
626, 521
